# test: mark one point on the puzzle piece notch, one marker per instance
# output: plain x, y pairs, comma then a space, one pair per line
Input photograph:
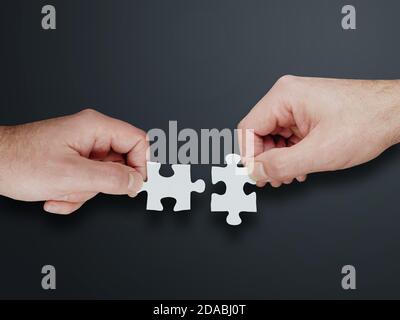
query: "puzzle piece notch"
234, 200
179, 186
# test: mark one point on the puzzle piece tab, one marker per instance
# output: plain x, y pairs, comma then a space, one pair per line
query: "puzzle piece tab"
179, 186
234, 200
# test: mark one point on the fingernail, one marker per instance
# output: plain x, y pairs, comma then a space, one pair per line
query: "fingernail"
257, 172
50, 208
134, 184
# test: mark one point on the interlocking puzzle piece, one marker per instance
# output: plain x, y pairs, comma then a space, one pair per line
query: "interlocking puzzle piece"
178, 186
234, 200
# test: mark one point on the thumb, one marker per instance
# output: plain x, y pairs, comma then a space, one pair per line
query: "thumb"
285, 164
106, 177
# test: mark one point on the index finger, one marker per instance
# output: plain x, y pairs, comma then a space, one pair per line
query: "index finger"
271, 112
129, 140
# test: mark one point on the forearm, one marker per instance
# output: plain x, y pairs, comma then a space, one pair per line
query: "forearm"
7, 158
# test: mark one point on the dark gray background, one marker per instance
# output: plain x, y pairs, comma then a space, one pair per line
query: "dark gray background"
203, 63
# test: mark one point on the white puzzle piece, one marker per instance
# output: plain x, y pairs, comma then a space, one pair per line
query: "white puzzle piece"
234, 200
179, 186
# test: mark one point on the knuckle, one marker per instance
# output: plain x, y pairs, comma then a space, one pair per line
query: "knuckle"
142, 139
141, 132
88, 113
244, 129
142, 135
286, 81
241, 124
138, 134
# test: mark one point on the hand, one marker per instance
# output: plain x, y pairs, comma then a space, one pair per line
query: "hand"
67, 161
305, 125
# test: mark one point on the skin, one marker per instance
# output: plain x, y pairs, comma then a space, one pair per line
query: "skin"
69, 160
306, 125
301, 126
